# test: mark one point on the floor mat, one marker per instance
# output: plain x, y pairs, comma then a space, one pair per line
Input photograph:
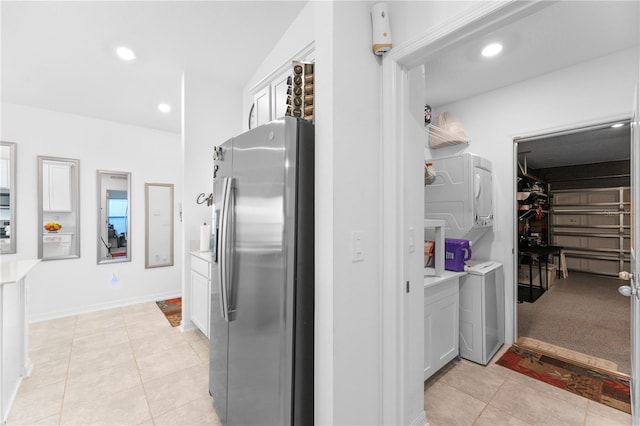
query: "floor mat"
607, 388
172, 310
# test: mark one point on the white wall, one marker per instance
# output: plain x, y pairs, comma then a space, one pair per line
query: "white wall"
211, 115
70, 286
356, 207
347, 196
587, 93
300, 34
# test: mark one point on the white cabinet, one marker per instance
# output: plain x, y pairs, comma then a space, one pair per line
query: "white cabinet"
15, 362
5, 172
270, 94
441, 321
270, 102
56, 187
279, 95
201, 290
261, 113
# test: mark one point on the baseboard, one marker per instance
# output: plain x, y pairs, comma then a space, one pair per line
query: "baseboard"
102, 306
187, 325
421, 420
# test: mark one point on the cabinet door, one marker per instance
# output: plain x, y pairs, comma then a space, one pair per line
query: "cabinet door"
440, 327
56, 188
262, 107
279, 94
200, 302
5, 168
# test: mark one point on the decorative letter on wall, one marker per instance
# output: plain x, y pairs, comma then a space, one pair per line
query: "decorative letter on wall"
59, 208
114, 213
159, 227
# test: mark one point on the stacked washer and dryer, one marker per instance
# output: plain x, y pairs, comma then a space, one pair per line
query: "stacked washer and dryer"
462, 195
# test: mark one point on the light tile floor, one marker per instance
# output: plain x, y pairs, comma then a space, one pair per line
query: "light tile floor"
124, 366
465, 393
128, 366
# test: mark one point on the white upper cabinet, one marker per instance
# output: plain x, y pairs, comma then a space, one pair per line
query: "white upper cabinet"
261, 107
269, 95
279, 95
56, 187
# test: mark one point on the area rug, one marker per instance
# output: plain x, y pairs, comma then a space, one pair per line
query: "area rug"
607, 388
172, 309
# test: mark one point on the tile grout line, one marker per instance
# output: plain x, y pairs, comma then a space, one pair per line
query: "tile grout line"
489, 402
66, 378
586, 412
135, 360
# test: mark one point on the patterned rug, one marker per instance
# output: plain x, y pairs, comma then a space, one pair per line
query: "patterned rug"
172, 309
607, 388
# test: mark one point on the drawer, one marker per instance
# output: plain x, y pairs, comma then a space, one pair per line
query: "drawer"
200, 266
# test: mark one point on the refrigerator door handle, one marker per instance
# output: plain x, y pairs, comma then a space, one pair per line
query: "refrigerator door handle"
223, 273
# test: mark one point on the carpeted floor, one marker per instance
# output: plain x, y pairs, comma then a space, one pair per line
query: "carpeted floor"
584, 313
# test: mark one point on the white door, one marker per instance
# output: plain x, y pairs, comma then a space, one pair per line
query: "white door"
634, 276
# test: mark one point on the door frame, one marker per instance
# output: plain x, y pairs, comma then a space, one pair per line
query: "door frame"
395, 344
539, 134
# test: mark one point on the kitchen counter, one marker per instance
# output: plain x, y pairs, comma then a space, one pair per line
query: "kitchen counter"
430, 281
14, 271
204, 255
15, 362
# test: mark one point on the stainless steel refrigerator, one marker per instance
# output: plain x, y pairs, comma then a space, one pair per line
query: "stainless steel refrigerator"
262, 297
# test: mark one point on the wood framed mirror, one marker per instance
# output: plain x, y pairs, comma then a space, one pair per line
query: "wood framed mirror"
58, 208
7, 197
114, 214
159, 225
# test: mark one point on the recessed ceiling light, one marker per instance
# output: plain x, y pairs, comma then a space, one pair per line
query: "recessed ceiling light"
125, 53
492, 49
164, 107
617, 125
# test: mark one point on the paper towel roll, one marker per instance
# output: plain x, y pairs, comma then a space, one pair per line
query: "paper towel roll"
205, 236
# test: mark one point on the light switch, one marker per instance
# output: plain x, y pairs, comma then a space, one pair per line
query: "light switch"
357, 246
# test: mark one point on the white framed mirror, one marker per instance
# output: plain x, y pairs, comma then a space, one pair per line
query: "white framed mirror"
58, 208
7, 197
114, 210
159, 225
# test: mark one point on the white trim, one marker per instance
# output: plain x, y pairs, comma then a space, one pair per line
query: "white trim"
300, 55
532, 136
102, 306
395, 68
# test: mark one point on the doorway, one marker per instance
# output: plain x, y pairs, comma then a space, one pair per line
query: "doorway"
573, 232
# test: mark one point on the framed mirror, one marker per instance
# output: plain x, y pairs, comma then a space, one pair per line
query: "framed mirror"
159, 227
7, 197
114, 210
58, 208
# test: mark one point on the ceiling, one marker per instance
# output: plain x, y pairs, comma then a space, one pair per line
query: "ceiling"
558, 35
581, 147
60, 55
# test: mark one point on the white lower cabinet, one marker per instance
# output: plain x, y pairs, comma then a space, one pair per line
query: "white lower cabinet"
441, 322
200, 293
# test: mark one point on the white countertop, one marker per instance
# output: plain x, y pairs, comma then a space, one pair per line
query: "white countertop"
204, 255
14, 271
448, 275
